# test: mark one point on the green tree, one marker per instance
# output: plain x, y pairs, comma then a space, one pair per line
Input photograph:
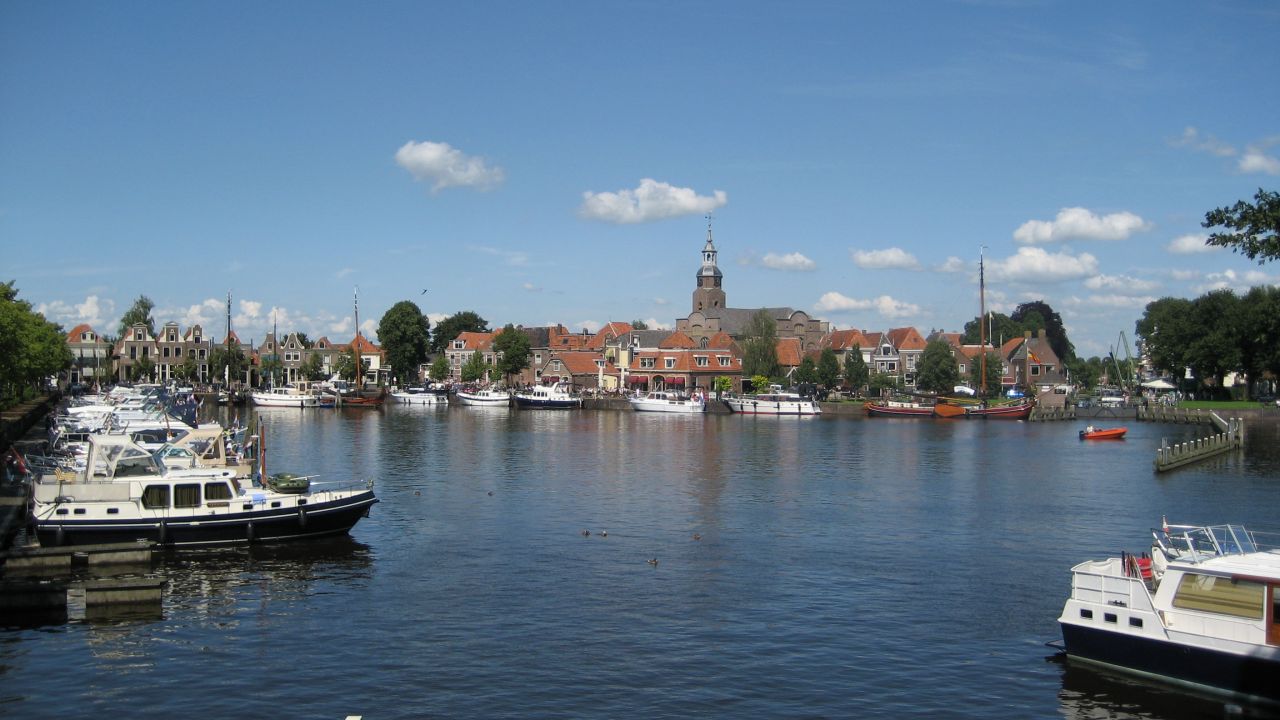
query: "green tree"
1036, 315
228, 361
404, 333
139, 312
881, 382
31, 348
1085, 373
513, 350
937, 370
1166, 331
187, 370
828, 368
639, 325
760, 346
271, 368
142, 370
1000, 328
473, 369
1256, 226
807, 373
345, 366
759, 383
722, 384
439, 369
449, 328
312, 367
306, 341
856, 372
995, 371
1215, 349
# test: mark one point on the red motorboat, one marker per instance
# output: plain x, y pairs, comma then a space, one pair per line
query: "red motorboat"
1097, 433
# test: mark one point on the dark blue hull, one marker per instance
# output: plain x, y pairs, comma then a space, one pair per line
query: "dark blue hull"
1252, 678
259, 525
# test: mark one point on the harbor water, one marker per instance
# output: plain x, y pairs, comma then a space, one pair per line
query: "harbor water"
620, 564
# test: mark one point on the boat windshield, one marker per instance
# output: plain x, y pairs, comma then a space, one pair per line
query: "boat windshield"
1198, 543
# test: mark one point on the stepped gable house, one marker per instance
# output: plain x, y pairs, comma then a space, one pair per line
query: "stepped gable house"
711, 313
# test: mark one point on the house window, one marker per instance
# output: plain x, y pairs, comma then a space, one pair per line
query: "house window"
646, 362
670, 362
1035, 369
702, 361
459, 345
164, 352
893, 367
537, 358
725, 361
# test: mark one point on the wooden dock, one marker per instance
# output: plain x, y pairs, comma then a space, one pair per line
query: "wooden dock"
1230, 437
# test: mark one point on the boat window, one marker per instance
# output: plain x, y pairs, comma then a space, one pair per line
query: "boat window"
186, 496
1135, 622
1227, 596
135, 466
1086, 614
155, 496
1109, 617
217, 491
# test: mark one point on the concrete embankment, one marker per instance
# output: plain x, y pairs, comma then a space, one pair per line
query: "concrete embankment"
21, 419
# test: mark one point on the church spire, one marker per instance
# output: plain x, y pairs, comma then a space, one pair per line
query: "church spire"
708, 295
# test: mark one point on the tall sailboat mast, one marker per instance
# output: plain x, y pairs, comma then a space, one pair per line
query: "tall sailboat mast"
355, 344
982, 324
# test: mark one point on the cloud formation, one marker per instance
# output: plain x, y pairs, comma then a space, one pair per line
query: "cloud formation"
1036, 265
94, 311
1192, 138
1122, 284
1190, 244
792, 261
651, 201
893, 257
445, 166
1078, 223
952, 264
1254, 159
886, 306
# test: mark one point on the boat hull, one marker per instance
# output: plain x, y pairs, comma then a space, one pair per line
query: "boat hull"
667, 406
1108, 434
333, 517
296, 401
546, 404
481, 400
405, 398
875, 410
1244, 676
753, 407
1004, 412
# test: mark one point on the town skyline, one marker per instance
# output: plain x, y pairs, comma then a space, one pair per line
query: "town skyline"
856, 160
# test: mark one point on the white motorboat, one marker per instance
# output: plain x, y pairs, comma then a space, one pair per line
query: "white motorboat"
1203, 611
668, 402
126, 493
419, 396
553, 397
285, 396
487, 397
774, 403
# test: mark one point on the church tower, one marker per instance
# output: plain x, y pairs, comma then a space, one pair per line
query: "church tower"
708, 298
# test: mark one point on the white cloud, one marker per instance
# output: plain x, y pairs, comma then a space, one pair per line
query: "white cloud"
1079, 223
656, 324
446, 166
509, 257
652, 200
888, 258
1118, 301
1035, 265
1254, 160
1239, 281
661, 301
792, 261
250, 308
93, 311
530, 287
1184, 274
437, 318
952, 265
885, 305
1189, 244
1121, 284
1191, 138
344, 272
591, 326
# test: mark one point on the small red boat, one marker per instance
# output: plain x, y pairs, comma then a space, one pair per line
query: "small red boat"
1097, 433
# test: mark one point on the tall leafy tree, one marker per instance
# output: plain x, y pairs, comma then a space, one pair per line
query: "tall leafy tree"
143, 369
994, 369
1256, 227
1215, 349
639, 325
1038, 314
439, 370
31, 348
855, 369
513, 348
228, 361
937, 370
807, 373
450, 327
139, 312
760, 346
828, 368
1167, 330
404, 333
345, 366
312, 368
473, 369
1000, 328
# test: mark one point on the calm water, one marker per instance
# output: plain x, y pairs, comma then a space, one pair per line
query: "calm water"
819, 567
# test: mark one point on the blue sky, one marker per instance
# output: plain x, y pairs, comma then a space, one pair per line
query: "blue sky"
553, 162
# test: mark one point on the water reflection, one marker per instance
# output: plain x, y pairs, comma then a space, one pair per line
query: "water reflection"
1090, 692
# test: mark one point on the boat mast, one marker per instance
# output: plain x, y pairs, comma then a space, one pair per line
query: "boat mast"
355, 344
982, 325
226, 369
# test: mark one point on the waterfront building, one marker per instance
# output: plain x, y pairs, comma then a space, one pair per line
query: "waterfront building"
91, 356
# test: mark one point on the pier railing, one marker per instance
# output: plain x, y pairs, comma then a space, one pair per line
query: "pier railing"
1230, 437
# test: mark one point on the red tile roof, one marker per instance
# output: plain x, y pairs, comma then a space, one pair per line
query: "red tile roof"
840, 340
584, 363
607, 333
789, 352
476, 340
675, 340
907, 338
79, 330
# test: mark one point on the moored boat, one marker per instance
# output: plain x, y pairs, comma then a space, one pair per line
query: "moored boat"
285, 396
419, 396
486, 397
668, 402
774, 403
548, 397
1201, 611
898, 408
1097, 433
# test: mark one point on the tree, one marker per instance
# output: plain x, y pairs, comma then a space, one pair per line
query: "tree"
722, 384
937, 370
31, 348
855, 369
188, 370
228, 361
995, 371
1000, 328
439, 369
139, 313
879, 382
1215, 349
312, 368
473, 369
449, 328
271, 367
143, 369
1166, 332
513, 350
760, 346
1257, 227
828, 368
639, 325
1036, 315
404, 333
759, 383
345, 366
807, 373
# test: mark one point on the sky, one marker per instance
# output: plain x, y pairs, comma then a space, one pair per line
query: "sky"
542, 163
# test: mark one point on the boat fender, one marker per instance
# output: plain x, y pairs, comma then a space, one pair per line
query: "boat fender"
248, 532
302, 517
60, 537
163, 532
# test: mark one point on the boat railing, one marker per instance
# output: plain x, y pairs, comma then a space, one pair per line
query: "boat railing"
1108, 582
1197, 543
